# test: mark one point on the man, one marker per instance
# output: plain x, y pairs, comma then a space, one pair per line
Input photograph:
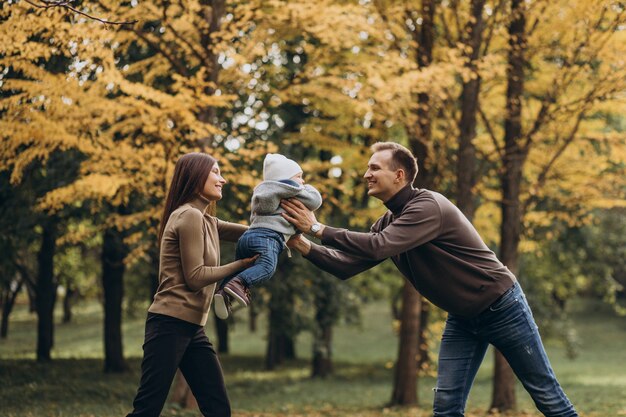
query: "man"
438, 250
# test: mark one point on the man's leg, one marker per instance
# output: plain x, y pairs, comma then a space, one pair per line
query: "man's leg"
513, 331
460, 356
203, 372
165, 343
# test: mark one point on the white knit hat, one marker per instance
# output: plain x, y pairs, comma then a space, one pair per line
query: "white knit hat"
278, 167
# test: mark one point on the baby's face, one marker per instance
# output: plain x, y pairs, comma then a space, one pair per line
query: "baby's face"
298, 178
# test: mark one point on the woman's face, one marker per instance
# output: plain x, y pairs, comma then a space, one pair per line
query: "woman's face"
213, 185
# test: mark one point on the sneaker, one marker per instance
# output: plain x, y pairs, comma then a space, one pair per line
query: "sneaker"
238, 291
221, 302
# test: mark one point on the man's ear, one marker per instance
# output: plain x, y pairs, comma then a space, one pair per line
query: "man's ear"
400, 175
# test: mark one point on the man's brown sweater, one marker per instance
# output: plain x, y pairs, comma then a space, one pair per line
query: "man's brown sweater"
189, 263
432, 243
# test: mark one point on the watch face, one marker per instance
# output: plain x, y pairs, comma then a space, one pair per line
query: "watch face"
315, 228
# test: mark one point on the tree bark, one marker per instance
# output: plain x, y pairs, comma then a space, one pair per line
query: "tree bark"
421, 137
252, 317
326, 313
221, 328
406, 373
46, 291
405, 376
213, 12
67, 304
153, 254
280, 343
113, 253
466, 158
280, 340
423, 360
182, 394
8, 301
322, 353
514, 157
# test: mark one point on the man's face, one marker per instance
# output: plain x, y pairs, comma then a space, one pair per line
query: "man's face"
382, 181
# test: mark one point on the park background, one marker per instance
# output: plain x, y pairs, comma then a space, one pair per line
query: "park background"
515, 109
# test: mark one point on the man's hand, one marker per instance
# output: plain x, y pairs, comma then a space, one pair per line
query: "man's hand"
300, 216
299, 243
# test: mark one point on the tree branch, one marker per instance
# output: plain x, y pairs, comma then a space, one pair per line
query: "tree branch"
492, 135
494, 20
446, 32
180, 68
47, 4
541, 178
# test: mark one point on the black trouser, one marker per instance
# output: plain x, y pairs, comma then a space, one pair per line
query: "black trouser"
169, 344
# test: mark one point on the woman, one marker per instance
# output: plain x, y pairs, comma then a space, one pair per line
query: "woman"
189, 267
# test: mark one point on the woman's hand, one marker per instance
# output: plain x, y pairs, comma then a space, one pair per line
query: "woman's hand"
248, 262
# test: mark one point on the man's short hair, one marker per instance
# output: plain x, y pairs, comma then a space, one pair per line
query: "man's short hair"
401, 158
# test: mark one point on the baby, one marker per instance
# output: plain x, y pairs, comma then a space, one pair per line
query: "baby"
268, 232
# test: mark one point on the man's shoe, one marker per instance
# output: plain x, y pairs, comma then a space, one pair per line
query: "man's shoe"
238, 291
221, 302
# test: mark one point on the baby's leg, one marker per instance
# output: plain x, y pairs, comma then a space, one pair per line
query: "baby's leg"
264, 267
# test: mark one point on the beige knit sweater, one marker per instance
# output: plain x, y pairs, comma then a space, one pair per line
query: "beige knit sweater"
189, 263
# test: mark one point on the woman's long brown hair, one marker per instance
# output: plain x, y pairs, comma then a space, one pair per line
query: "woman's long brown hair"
190, 174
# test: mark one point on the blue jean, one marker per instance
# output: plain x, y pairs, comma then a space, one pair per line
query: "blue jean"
265, 242
507, 324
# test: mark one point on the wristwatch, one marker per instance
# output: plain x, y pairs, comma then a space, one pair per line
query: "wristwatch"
315, 227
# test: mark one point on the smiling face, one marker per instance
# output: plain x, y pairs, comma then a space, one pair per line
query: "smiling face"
383, 182
213, 186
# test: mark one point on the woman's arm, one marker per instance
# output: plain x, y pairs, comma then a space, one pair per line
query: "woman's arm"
196, 274
230, 232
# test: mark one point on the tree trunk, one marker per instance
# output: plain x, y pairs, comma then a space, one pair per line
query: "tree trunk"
113, 253
327, 311
322, 352
280, 340
510, 230
406, 373
280, 343
466, 162
182, 394
405, 376
423, 360
252, 317
221, 328
67, 304
213, 12
421, 136
46, 292
8, 301
153, 254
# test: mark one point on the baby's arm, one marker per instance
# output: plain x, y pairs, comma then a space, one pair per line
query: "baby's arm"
310, 197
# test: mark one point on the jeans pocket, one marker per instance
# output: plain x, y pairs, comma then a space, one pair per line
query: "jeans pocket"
508, 299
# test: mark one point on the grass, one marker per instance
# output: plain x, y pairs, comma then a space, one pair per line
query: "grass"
74, 385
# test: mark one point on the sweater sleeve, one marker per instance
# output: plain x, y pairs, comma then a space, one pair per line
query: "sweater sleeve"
197, 275
417, 225
230, 232
310, 197
341, 264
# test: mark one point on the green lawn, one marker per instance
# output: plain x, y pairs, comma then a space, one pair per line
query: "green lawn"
74, 385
